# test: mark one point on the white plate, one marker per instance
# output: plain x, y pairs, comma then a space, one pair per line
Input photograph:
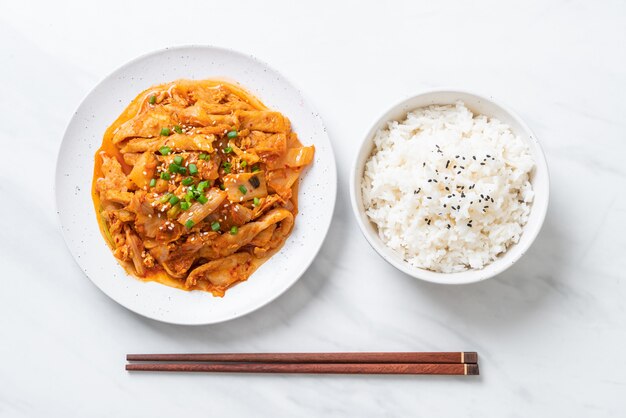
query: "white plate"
75, 168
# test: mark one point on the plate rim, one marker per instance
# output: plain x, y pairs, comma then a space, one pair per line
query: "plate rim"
332, 172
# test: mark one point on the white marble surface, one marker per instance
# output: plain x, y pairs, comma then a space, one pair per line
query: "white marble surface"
551, 331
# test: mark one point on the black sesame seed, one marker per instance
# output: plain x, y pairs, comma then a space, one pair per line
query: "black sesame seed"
255, 182
482, 163
488, 156
456, 156
448, 226
444, 205
430, 180
474, 157
458, 172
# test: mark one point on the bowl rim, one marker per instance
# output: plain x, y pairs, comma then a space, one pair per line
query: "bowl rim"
468, 276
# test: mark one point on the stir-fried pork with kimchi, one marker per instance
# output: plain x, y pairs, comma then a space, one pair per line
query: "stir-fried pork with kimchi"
196, 184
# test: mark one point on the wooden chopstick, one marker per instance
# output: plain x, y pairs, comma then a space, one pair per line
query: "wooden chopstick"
313, 368
389, 357
443, 363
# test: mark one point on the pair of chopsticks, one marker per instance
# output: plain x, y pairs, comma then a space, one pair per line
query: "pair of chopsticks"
435, 363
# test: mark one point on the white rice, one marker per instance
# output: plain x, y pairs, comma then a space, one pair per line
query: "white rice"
455, 218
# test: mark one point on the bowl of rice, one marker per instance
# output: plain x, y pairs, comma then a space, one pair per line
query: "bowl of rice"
450, 187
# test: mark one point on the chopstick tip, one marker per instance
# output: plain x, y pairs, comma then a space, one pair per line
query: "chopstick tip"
470, 357
472, 370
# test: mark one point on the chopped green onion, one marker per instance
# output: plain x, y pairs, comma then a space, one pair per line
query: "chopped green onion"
215, 226
152, 182
189, 224
165, 198
182, 170
185, 205
234, 230
152, 99
165, 175
193, 169
228, 150
203, 156
165, 132
255, 168
178, 160
244, 164
243, 189
174, 210
173, 168
189, 195
165, 150
202, 199
256, 201
222, 186
174, 200
178, 129
203, 185
187, 181
227, 167
232, 134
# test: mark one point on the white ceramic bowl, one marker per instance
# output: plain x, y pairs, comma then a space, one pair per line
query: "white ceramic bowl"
480, 105
75, 169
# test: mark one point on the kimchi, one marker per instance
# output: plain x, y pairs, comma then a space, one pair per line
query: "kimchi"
196, 184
